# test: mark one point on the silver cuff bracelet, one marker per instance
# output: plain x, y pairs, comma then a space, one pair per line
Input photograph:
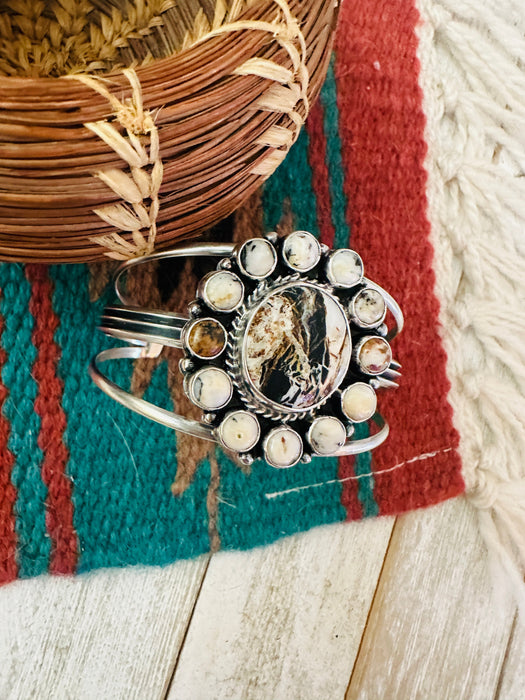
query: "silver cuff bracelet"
284, 348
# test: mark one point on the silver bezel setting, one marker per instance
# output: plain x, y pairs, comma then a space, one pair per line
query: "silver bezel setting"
315, 424
354, 316
237, 359
330, 273
202, 290
190, 382
314, 241
228, 417
239, 253
246, 396
275, 431
370, 414
186, 333
357, 352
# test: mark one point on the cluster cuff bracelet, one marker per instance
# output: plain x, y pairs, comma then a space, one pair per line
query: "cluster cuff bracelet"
284, 348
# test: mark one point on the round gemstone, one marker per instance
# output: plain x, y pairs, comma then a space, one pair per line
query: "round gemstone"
301, 251
373, 355
222, 290
297, 346
326, 435
344, 268
239, 431
206, 338
283, 447
368, 308
359, 402
210, 388
257, 258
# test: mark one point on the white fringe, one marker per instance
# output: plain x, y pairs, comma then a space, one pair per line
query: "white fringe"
472, 55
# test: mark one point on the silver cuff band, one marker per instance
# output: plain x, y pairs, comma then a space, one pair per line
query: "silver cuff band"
132, 323
186, 425
194, 250
145, 408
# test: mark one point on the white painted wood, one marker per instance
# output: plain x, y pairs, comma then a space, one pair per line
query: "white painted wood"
435, 629
110, 634
512, 680
282, 622
285, 621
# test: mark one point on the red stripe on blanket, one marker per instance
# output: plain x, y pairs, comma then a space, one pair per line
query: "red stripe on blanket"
48, 405
8, 567
382, 132
317, 160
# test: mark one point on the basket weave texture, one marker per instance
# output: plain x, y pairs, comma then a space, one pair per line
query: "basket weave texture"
227, 103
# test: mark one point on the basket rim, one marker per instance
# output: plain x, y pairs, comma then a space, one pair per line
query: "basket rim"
198, 51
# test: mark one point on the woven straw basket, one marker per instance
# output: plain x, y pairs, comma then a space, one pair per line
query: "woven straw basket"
125, 124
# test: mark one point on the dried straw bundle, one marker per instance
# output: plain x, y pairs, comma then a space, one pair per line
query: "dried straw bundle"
215, 100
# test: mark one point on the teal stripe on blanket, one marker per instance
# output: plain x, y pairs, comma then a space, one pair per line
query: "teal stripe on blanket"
122, 465
334, 159
30, 507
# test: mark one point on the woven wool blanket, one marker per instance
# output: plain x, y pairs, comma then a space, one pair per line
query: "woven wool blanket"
404, 158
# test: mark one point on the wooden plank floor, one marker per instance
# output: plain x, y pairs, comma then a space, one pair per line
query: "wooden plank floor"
382, 609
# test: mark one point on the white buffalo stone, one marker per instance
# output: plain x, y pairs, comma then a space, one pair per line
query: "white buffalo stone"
326, 435
239, 431
344, 268
257, 258
210, 388
223, 291
369, 308
283, 447
359, 402
301, 251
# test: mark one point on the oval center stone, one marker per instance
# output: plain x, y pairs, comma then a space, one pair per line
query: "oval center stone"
297, 346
